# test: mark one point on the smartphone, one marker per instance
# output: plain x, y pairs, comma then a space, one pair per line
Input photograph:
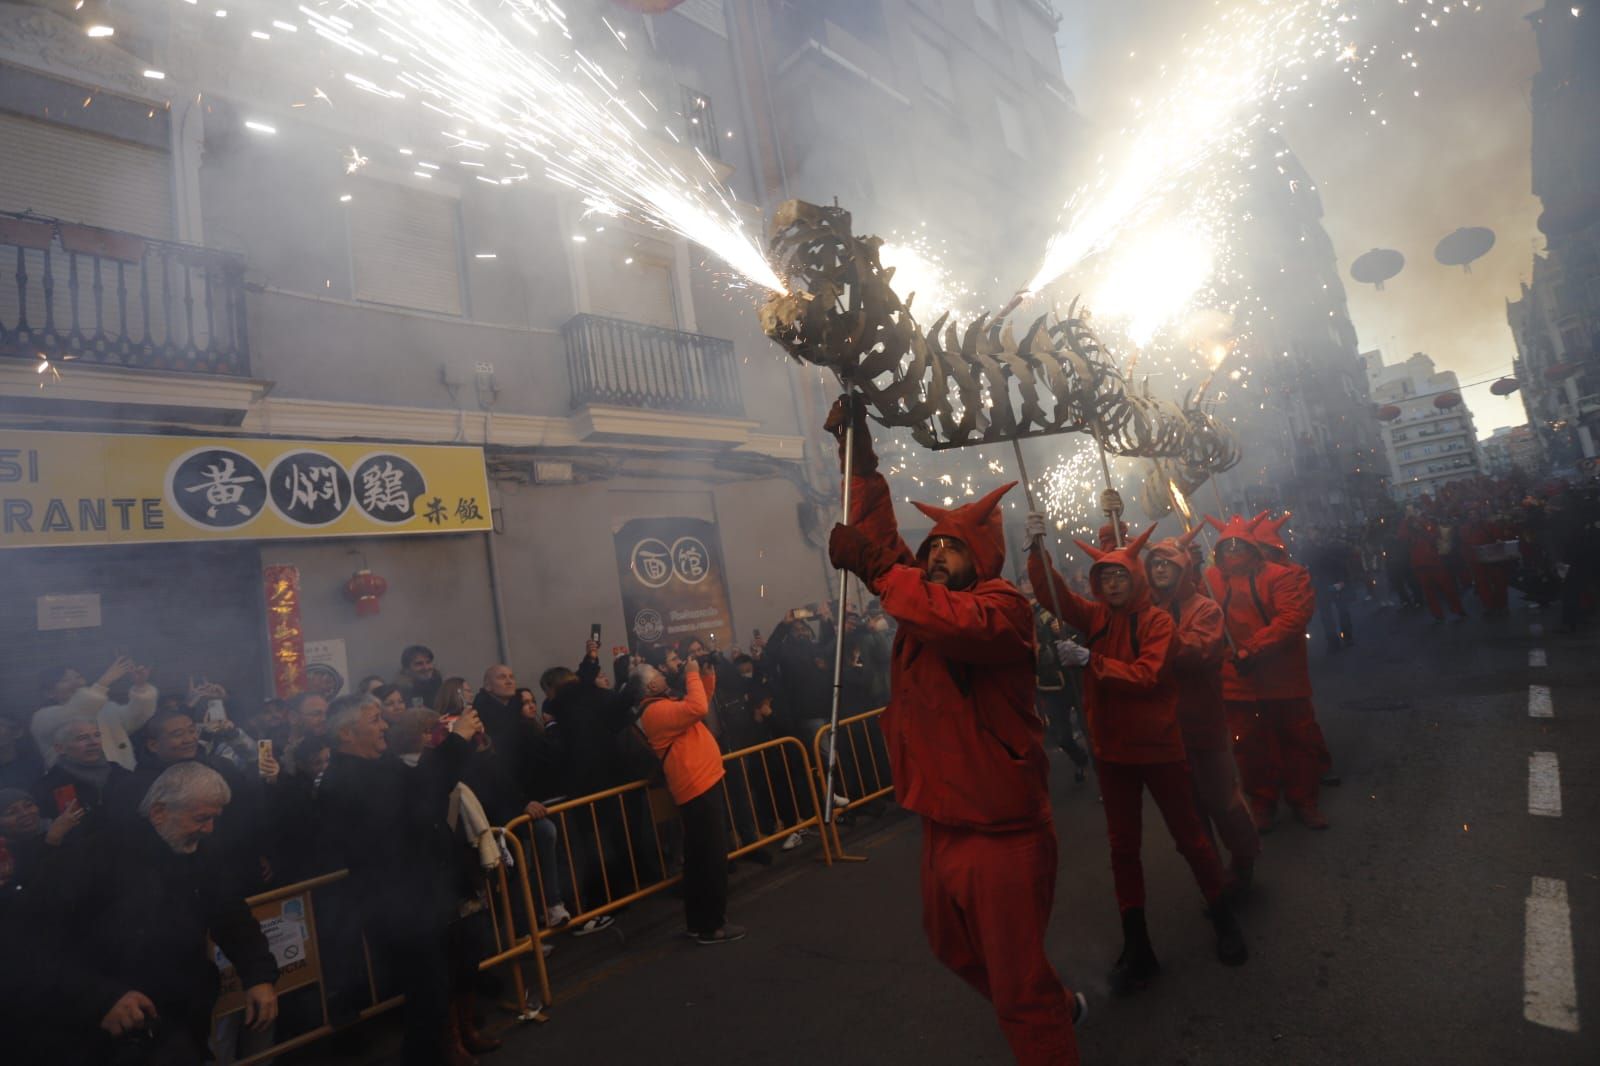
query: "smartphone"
216, 713
802, 614
263, 751
65, 796
594, 634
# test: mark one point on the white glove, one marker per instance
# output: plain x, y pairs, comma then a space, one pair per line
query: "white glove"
1036, 526
1071, 653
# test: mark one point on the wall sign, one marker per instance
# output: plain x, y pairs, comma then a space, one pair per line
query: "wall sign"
83, 488
674, 584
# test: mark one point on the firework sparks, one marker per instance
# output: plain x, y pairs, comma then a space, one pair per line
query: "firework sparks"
511, 75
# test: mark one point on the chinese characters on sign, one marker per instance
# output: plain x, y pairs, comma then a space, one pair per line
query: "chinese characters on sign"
285, 638
309, 489
387, 487
219, 488
673, 582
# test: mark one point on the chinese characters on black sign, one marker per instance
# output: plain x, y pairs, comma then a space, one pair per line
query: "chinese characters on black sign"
674, 584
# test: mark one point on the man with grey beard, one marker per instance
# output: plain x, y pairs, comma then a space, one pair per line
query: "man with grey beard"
115, 936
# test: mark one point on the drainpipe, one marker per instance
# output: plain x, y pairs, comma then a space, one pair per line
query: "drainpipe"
502, 643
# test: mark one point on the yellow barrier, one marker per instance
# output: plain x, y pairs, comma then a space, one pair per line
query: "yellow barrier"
863, 734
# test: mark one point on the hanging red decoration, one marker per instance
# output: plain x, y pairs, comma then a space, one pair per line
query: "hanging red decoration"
1388, 412
1561, 371
285, 637
364, 589
1505, 386
1446, 400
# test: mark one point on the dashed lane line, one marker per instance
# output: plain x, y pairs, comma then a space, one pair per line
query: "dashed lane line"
1539, 703
1537, 658
1549, 978
1544, 784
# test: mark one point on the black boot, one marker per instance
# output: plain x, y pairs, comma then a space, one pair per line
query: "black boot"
1231, 950
1137, 964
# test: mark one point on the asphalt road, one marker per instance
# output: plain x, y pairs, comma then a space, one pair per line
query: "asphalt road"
1398, 936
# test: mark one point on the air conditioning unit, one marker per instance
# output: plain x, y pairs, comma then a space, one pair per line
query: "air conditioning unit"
552, 472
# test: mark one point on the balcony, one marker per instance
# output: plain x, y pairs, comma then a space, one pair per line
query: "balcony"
73, 292
617, 363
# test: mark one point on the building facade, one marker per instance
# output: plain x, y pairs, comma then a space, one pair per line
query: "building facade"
1556, 320
1431, 440
1512, 450
1303, 415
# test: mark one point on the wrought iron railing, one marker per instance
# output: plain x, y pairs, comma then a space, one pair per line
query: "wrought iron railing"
614, 361
77, 292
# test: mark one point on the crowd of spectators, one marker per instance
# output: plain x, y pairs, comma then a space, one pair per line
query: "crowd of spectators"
400, 782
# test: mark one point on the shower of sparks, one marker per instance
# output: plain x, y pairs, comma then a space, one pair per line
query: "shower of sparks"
1229, 81
921, 272
511, 76
354, 160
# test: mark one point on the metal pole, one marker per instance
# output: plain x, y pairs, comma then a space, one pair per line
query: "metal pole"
838, 621
1105, 468
1027, 488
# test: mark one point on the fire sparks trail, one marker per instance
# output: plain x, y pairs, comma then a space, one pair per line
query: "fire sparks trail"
510, 77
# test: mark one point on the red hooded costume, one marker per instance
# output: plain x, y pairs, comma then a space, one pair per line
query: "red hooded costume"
966, 747
1130, 697
1422, 536
1267, 681
1199, 650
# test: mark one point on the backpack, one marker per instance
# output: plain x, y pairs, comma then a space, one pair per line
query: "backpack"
636, 758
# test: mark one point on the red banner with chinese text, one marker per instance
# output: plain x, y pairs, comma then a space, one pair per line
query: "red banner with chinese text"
285, 636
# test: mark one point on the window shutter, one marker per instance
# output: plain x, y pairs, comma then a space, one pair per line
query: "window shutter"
83, 177
404, 249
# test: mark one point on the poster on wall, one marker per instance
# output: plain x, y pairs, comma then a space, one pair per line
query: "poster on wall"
674, 583
327, 667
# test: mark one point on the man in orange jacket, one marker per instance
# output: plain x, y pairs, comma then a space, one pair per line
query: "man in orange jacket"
1199, 646
1131, 700
692, 764
966, 747
1267, 680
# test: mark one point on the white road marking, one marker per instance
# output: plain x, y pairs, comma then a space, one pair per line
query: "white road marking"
1549, 980
1539, 702
1536, 657
1544, 784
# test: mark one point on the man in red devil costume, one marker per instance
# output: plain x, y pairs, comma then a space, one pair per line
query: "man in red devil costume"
966, 747
1268, 534
1267, 679
1199, 646
1422, 536
1131, 699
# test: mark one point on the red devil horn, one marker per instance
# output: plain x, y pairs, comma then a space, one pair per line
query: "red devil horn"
985, 507
1093, 553
1214, 523
1187, 539
935, 513
1139, 542
1257, 520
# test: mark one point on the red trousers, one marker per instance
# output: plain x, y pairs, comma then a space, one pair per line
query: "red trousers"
1122, 787
1437, 584
1492, 581
1280, 750
986, 900
1221, 803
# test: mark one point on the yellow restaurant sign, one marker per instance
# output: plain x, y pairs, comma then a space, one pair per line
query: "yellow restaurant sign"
59, 489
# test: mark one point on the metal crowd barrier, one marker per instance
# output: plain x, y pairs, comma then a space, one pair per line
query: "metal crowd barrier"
864, 750
609, 847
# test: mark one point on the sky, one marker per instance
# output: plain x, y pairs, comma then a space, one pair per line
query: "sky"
1456, 155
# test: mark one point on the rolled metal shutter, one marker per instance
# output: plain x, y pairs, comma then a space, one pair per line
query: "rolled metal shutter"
404, 248
83, 177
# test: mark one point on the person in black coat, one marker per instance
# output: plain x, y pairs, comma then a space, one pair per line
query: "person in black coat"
114, 936
386, 823
82, 773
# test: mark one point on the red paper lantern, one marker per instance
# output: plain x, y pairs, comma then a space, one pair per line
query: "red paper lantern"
1446, 400
1388, 412
1505, 386
364, 590
1560, 371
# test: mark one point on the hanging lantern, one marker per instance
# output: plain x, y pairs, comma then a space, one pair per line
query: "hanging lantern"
1561, 371
1446, 400
1505, 386
364, 589
1388, 412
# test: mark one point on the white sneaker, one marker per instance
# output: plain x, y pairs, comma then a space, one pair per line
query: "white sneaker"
557, 916
792, 841
840, 801
546, 948
595, 925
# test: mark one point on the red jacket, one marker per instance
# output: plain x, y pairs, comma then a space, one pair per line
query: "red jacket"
1199, 646
1130, 698
1422, 540
966, 745
1267, 608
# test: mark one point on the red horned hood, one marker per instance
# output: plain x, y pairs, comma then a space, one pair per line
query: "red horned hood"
1239, 529
978, 525
1175, 550
1268, 532
1108, 536
1127, 557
